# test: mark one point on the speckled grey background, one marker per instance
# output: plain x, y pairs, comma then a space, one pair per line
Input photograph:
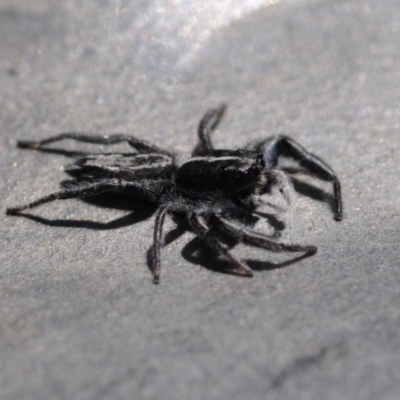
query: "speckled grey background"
80, 318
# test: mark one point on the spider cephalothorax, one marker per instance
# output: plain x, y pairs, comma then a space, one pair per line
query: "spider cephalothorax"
214, 190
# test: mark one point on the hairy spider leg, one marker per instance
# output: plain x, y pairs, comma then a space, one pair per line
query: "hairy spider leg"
236, 231
85, 190
157, 242
256, 239
283, 146
207, 124
140, 145
200, 228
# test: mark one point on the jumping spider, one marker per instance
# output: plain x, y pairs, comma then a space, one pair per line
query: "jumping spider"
214, 190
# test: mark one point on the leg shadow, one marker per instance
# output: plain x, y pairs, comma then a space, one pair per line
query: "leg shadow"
142, 210
196, 252
314, 193
258, 265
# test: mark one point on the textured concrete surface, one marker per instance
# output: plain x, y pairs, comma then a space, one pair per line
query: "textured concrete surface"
80, 318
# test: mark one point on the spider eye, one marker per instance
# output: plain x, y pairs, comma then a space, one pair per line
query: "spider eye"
254, 171
260, 160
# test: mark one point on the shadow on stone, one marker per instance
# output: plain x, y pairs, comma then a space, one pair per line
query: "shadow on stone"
142, 210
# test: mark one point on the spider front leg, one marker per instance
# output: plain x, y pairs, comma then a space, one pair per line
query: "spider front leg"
207, 124
140, 145
157, 243
256, 239
283, 146
200, 228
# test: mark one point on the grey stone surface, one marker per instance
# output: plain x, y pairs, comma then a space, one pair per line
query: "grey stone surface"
80, 318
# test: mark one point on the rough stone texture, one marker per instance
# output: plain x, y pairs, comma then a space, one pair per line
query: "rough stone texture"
80, 317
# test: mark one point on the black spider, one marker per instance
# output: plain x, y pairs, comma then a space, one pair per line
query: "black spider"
216, 191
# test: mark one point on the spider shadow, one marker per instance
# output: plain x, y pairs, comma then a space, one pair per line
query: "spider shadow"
257, 265
140, 210
198, 253
313, 192
208, 257
273, 222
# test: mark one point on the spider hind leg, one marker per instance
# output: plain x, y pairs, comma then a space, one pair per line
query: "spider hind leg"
140, 145
207, 124
88, 189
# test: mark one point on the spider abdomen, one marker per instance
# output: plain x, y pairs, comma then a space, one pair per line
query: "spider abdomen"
132, 167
